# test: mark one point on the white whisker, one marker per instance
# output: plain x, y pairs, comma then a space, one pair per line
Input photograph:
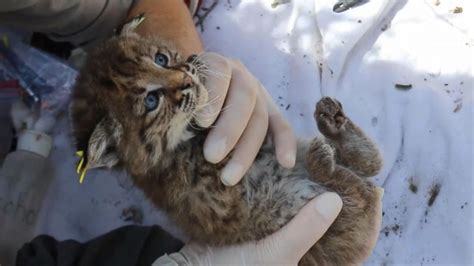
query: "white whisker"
214, 72
210, 102
208, 116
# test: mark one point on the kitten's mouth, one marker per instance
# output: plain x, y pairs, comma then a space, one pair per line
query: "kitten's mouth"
194, 95
193, 98
187, 103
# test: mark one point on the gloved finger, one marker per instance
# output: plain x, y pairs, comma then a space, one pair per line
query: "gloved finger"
248, 145
233, 120
304, 230
218, 75
284, 139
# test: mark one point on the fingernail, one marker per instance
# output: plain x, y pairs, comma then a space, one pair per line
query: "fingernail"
329, 205
214, 150
380, 191
204, 117
289, 160
231, 173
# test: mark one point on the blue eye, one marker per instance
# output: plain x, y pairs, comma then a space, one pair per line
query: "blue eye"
161, 59
151, 101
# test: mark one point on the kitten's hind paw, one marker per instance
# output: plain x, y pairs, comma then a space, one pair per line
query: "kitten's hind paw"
330, 117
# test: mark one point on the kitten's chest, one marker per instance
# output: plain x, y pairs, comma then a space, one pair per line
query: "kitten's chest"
275, 190
265, 183
265, 199
268, 179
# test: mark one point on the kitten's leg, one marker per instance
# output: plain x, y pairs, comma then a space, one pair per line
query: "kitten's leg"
354, 149
346, 241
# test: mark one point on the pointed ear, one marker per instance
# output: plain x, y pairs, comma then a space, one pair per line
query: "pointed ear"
101, 151
130, 26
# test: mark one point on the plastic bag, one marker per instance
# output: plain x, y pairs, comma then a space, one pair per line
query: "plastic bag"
46, 80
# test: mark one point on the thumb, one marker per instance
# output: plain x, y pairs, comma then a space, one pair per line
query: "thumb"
292, 241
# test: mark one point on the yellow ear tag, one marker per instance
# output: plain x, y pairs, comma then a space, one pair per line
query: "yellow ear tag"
80, 170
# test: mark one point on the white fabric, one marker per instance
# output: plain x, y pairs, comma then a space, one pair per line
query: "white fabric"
174, 259
35, 141
425, 132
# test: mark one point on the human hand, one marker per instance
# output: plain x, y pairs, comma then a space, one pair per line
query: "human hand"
244, 112
285, 247
248, 112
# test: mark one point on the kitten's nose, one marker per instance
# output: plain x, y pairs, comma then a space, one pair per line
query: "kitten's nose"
187, 82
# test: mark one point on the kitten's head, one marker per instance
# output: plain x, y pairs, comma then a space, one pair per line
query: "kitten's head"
134, 101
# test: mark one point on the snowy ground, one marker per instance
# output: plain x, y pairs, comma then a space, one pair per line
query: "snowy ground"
302, 51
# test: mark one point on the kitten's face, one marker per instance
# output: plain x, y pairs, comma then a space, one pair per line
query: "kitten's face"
144, 95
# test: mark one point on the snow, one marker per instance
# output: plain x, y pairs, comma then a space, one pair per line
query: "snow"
301, 51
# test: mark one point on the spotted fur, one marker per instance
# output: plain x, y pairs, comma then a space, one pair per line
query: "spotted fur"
163, 152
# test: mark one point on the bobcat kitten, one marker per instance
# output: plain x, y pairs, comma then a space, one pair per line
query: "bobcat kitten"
133, 107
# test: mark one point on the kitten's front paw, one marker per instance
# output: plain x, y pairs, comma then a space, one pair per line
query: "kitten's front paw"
330, 117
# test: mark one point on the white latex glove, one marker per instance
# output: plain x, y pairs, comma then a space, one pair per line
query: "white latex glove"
285, 247
247, 114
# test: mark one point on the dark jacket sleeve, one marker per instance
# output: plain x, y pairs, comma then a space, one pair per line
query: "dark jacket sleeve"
129, 245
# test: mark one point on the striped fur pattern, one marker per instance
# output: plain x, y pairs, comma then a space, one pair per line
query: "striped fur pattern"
162, 150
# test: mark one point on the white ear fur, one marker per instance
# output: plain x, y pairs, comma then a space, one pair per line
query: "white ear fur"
101, 149
129, 27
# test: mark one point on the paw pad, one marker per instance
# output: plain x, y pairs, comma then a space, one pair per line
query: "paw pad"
330, 117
